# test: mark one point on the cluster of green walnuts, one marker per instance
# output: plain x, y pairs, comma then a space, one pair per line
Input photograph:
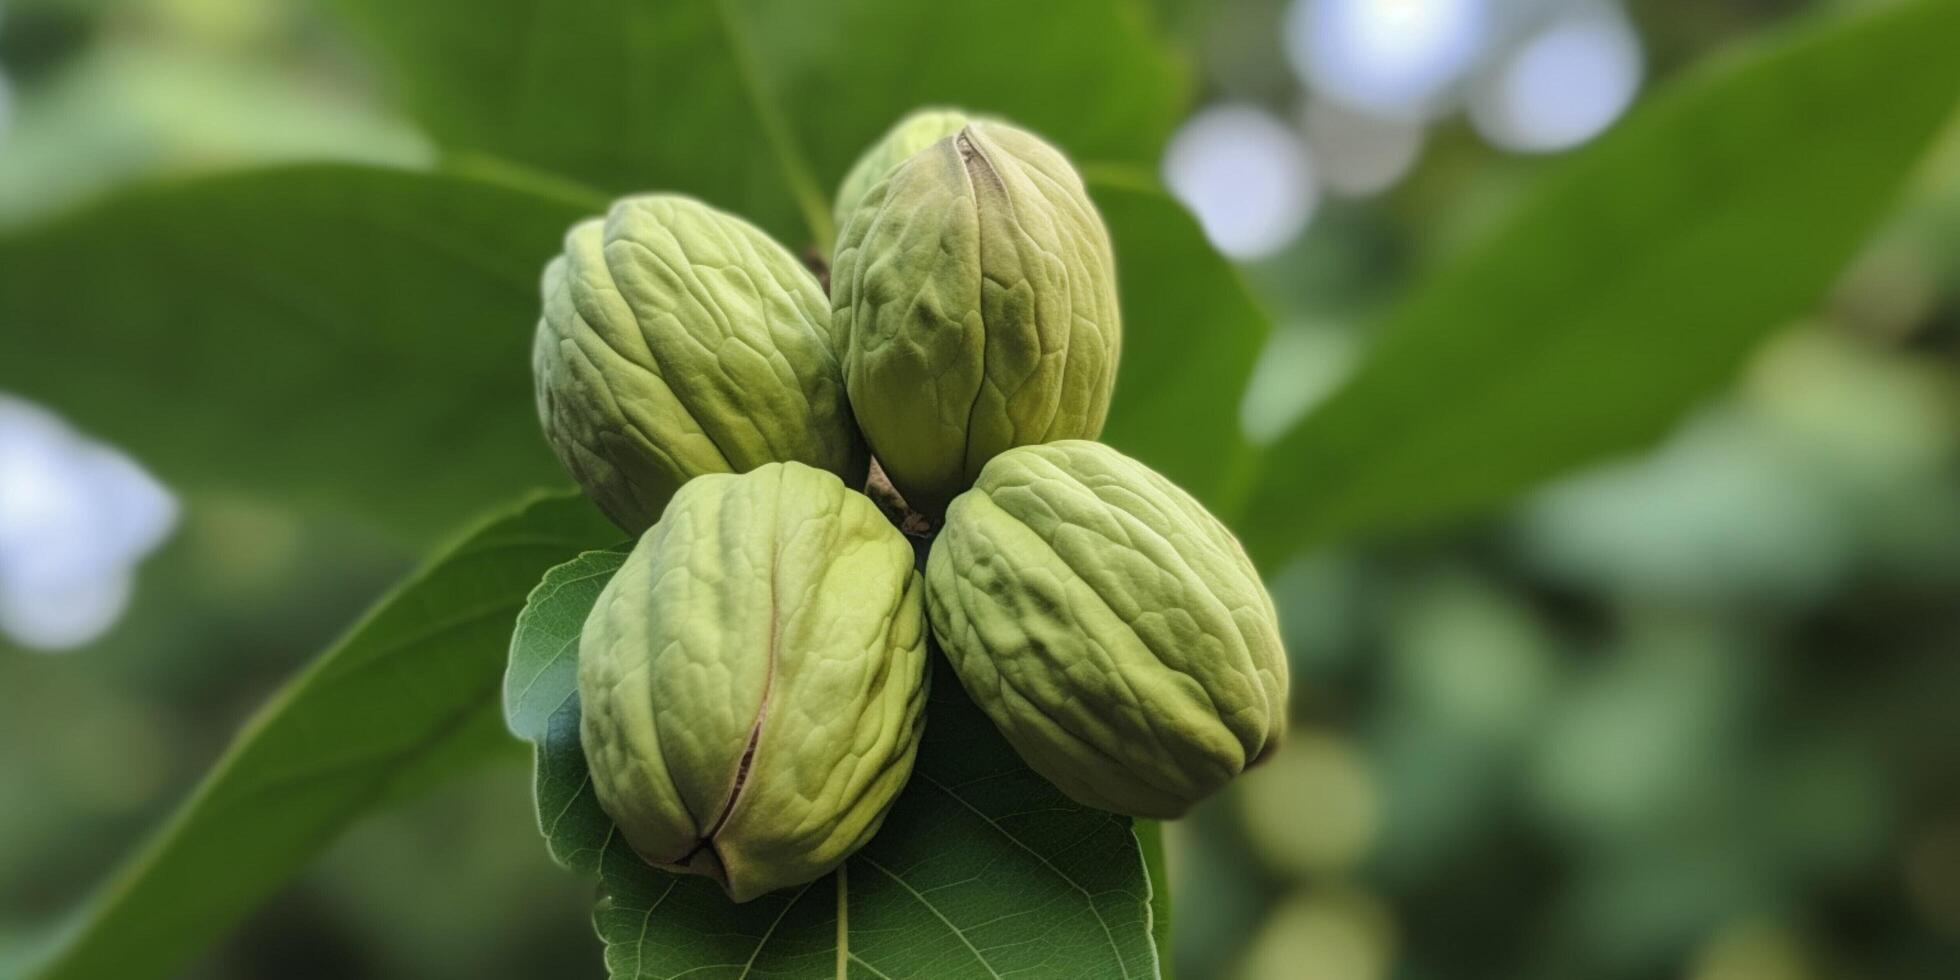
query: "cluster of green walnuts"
753, 679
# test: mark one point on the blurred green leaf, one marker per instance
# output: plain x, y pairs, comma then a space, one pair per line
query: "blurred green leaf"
981, 869
143, 108
759, 106
1191, 333
408, 697
1627, 287
340, 337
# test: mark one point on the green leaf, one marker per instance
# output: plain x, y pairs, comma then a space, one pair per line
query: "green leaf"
342, 338
406, 698
1191, 334
982, 869
1150, 836
759, 106
1628, 287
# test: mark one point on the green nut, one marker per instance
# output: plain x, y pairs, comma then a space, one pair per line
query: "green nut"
1112, 629
676, 341
975, 294
752, 680
906, 138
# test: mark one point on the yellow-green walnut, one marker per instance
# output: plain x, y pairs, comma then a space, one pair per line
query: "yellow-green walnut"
974, 292
907, 137
1112, 629
676, 341
753, 679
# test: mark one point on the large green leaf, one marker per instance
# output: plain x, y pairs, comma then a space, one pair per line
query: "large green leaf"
407, 696
1627, 287
982, 868
341, 337
759, 106
1191, 333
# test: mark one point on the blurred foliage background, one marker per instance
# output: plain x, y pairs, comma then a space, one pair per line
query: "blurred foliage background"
1694, 713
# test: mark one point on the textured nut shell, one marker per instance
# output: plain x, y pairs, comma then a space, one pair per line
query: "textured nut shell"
753, 679
676, 341
906, 138
1112, 629
975, 293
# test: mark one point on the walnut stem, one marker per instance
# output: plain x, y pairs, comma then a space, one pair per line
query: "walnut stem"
915, 526
814, 261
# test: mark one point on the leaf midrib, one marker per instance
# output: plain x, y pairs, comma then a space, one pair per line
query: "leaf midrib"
844, 952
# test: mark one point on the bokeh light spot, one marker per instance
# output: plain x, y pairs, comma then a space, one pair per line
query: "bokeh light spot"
1335, 934
1563, 85
1311, 809
1753, 950
1246, 175
75, 518
1397, 58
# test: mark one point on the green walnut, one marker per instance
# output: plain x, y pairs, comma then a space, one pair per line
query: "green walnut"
907, 137
975, 295
1112, 629
676, 341
752, 679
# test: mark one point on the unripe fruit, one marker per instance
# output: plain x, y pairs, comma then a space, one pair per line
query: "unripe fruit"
752, 680
677, 341
1112, 629
974, 292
